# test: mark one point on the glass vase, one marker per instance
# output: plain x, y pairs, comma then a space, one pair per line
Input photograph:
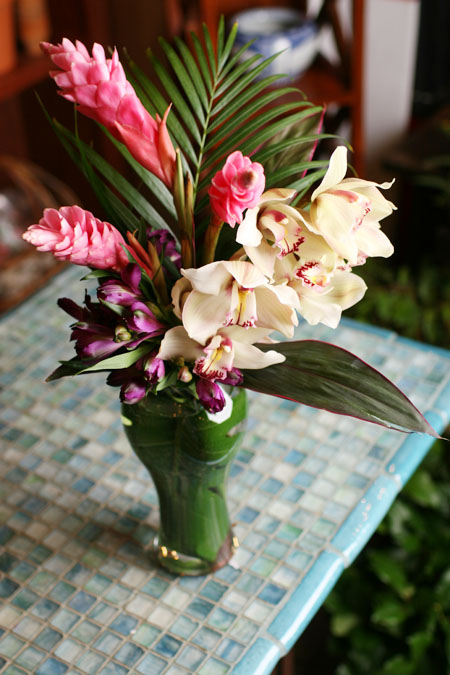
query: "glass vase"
188, 457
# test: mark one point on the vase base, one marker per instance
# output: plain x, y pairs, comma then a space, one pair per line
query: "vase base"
187, 565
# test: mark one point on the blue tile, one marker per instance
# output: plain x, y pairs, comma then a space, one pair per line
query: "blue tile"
151, 665
304, 479
48, 638
7, 587
272, 485
199, 608
34, 504
306, 599
230, 650
272, 594
123, 624
249, 583
191, 658
292, 494
294, 457
247, 514
5, 534
45, 608
365, 518
82, 602
52, 667
221, 619
168, 646
112, 668
213, 591
129, 654
184, 627
25, 599
155, 587
228, 574
262, 657
206, 638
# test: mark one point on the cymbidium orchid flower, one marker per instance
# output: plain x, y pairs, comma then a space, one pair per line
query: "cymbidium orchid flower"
236, 187
102, 92
230, 348
232, 293
73, 234
346, 211
323, 293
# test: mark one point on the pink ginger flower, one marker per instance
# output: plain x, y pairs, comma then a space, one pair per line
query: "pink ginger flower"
76, 235
238, 186
101, 91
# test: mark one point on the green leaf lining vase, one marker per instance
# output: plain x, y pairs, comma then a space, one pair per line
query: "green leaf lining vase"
188, 457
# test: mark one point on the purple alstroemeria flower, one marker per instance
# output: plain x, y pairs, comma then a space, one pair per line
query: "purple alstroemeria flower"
234, 378
133, 391
143, 320
165, 244
122, 292
153, 369
210, 395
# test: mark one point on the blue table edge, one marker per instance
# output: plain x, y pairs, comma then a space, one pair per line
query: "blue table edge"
353, 534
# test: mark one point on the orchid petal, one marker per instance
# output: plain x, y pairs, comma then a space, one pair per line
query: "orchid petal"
336, 171
176, 343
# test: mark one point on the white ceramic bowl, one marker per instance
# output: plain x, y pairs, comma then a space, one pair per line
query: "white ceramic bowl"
278, 29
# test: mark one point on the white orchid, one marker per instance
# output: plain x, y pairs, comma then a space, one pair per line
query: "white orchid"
272, 229
232, 293
346, 211
231, 347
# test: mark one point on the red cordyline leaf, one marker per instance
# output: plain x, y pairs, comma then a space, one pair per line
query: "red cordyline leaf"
322, 375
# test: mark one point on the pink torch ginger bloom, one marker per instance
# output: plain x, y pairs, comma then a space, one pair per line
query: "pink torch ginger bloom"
76, 235
238, 186
101, 91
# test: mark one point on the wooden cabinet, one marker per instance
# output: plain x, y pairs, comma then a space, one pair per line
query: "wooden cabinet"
338, 86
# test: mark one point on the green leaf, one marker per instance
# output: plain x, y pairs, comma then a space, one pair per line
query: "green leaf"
389, 613
398, 665
119, 361
390, 571
422, 489
343, 624
322, 375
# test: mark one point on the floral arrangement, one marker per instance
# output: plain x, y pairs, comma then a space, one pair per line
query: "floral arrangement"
232, 232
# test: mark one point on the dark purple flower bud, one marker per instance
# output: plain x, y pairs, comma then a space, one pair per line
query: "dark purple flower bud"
72, 308
94, 342
133, 391
210, 395
123, 292
131, 275
234, 377
144, 321
154, 369
165, 244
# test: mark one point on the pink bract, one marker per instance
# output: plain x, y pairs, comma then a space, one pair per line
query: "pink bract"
76, 235
238, 186
102, 92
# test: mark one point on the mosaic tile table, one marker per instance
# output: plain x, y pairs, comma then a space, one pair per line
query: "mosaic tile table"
77, 513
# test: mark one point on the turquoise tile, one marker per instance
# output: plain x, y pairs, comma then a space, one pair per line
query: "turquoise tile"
113, 669
117, 594
44, 609
13, 670
183, 627
90, 662
249, 583
129, 654
213, 591
30, 658
199, 608
168, 646
228, 574
52, 667
10, 645
86, 631
151, 665
145, 635
39, 554
8, 587
221, 619
206, 638
48, 638
123, 624
230, 650
82, 602
272, 594
155, 587
107, 643
25, 599
191, 658
98, 584
306, 599
62, 591
64, 620
214, 667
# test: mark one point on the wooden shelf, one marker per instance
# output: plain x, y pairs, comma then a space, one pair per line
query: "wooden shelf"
27, 73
